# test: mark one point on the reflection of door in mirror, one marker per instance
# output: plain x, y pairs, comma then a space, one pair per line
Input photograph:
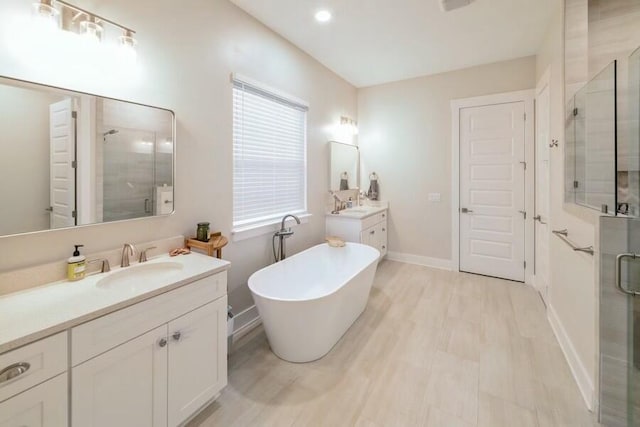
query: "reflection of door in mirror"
37, 141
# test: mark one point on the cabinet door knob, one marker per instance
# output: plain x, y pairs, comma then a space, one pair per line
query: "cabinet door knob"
384, 247
162, 342
372, 232
13, 371
384, 215
384, 229
177, 335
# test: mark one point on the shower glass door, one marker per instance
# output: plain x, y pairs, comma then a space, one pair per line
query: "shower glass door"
619, 322
130, 173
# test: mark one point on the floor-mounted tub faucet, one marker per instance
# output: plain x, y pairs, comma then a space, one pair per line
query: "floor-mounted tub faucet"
282, 234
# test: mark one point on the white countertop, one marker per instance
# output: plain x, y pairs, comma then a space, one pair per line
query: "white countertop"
45, 310
359, 212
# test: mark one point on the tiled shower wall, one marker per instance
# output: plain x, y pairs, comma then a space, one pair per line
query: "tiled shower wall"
135, 160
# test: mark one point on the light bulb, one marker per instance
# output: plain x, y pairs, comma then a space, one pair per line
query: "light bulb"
323, 16
90, 29
128, 45
46, 14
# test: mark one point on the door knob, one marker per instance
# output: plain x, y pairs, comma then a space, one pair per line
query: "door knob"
49, 209
162, 342
465, 210
539, 219
176, 336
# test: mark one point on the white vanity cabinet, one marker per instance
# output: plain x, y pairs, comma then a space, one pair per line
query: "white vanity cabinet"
369, 228
33, 384
160, 377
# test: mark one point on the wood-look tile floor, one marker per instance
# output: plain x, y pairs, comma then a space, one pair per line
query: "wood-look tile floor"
433, 348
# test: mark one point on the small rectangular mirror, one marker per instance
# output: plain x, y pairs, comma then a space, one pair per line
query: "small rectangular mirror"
72, 159
345, 166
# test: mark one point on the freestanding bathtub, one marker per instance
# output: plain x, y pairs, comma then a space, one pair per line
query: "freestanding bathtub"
307, 302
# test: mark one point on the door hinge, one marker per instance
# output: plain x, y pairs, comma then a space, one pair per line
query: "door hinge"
74, 114
525, 117
74, 164
576, 184
575, 112
74, 214
525, 265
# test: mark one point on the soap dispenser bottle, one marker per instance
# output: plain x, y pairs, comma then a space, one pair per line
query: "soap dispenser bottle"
76, 265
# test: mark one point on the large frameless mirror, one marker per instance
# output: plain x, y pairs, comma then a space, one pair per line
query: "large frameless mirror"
71, 159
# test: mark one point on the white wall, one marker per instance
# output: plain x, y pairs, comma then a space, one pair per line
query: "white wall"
187, 51
572, 291
405, 137
24, 145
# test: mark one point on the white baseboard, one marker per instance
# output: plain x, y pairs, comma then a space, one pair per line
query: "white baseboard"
442, 264
580, 373
246, 321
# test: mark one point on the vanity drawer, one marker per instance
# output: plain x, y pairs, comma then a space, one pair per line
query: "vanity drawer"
97, 336
374, 219
40, 361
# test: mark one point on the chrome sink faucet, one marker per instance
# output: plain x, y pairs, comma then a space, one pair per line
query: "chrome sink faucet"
127, 250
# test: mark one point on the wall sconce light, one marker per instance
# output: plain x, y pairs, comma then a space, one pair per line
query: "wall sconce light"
90, 25
350, 124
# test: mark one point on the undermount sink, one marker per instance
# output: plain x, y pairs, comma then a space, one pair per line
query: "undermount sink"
139, 276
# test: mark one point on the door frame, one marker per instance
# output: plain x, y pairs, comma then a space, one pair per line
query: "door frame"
528, 97
543, 82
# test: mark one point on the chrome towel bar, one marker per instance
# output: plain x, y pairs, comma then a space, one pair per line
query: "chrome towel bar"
564, 236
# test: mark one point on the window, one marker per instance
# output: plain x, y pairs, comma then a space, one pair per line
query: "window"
269, 155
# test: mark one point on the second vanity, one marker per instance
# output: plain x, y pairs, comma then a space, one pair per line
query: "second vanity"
361, 224
139, 346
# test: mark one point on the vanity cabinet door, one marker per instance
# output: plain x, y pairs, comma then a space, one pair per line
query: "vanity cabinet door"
42, 406
197, 359
124, 387
372, 236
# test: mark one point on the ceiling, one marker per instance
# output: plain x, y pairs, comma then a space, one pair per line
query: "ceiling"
369, 42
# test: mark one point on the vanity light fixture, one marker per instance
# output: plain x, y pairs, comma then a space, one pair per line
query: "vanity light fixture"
323, 16
350, 124
91, 25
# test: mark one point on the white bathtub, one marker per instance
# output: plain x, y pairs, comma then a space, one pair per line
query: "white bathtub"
307, 302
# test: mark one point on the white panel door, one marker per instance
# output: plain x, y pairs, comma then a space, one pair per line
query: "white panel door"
124, 387
42, 406
492, 190
542, 193
197, 359
62, 155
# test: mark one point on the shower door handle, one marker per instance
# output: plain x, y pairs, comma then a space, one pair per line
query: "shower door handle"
619, 259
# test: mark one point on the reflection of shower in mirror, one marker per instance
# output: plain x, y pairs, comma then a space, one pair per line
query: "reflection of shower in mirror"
107, 133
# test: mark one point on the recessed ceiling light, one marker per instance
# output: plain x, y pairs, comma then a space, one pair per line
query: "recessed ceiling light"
323, 16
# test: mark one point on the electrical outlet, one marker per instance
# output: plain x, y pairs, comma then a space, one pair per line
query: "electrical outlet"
435, 197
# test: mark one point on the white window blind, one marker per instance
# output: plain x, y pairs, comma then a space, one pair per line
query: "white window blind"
269, 155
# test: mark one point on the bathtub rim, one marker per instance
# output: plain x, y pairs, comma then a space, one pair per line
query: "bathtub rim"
351, 277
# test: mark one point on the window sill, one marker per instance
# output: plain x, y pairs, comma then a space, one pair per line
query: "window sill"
267, 227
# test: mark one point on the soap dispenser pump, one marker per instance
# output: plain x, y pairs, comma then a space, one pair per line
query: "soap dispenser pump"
76, 265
